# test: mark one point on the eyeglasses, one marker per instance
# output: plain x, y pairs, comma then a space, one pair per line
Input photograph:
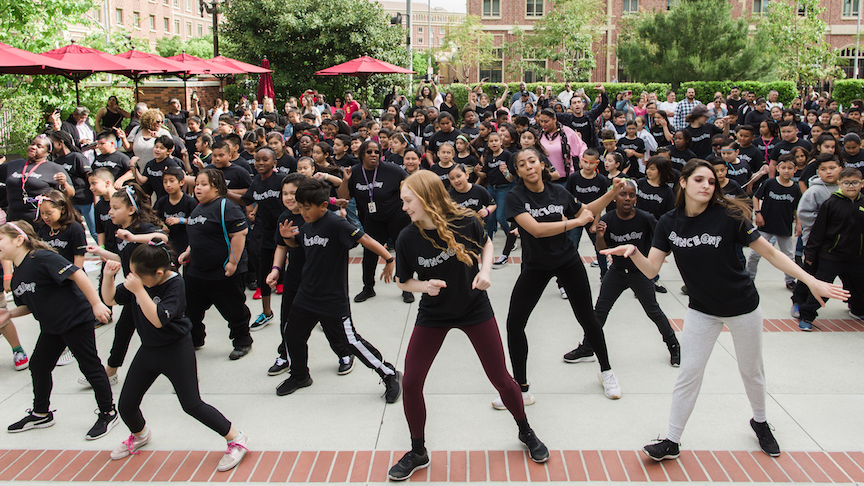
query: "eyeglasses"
850, 183
370, 152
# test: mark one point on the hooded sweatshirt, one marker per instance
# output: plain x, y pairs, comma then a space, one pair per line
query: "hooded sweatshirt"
808, 207
838, 233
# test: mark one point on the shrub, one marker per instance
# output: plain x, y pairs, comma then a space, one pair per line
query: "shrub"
846, 90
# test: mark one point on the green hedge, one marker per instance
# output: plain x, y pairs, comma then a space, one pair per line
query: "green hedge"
705, 89
846, 90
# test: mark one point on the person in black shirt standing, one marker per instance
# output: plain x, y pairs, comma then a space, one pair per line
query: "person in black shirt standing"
582, 122
627, 224
178, 116
151, 177
454, 296
702, 232
154, 293
375, 186
701, 132
26, 179
543, 212
237, 179
68, 156
790, 140
679, 151
63, 228
175, 207
111, 159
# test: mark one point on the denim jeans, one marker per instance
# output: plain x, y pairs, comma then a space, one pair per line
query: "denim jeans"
86, 210
499, 194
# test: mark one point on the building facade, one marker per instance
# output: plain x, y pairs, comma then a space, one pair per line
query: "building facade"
499, 18
428, 25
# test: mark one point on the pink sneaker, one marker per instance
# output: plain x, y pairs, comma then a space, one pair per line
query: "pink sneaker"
130, 446
235, 453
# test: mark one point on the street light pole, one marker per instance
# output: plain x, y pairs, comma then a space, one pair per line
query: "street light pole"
212, 8
857, 38
408, 41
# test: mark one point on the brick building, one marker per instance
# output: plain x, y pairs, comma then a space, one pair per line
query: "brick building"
429, 26
500, 17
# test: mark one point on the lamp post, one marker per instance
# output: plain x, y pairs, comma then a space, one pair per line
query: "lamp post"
212, 8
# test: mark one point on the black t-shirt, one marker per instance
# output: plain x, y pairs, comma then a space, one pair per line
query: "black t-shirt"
679, 158
659, 135
470, 132
43, 278
170, 300
77, 166
267, 194
778, 206
325, 244
702, 139
210, 250
179, 121
458, 302
636, 144
586, 190
104, 225
856, 161
754, 118
733, 190
550, 205
732, 105
69, 241
738, 172
443, 173
469, 161
286, 164
783, 147
347, 160
765, 147
655, 200
125, 248
236, 177
116, 162
245, 165
27, 180
704, 249
250, 158
153, 172
294, 258
475, 198
189, 140
752, 157
439, 137
638, 230
183, 209
380, 186
494, 176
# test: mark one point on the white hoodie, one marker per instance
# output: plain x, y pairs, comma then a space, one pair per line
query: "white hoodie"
808, 207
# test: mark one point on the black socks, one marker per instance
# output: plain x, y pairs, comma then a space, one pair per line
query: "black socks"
418, 446
524, 428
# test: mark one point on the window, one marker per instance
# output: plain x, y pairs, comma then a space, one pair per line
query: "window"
96, 14
851, 8
176, 27
188, 29
623, 77
419, 41
494, 70
419, 30
760, 6
166, 25
200, 30
532, 72
136, 20
118, 16
188, 5
153, 23
491, 8
670, 4
632, 6
847, 61
176, 3
534, 8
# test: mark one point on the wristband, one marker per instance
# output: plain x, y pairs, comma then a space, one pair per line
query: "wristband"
182, 220
276, 267
390, 260
7, 277
332, 201
757, 211
565, 225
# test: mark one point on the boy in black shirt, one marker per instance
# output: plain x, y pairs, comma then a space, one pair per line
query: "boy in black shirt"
109, 158
175, 207
633, 147
236, 178
747, 153
235, 143
189, 139
852, 154
323, 294
789, 134
151, 178
587, 186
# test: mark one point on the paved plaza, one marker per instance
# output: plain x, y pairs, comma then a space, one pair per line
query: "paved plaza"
340, 429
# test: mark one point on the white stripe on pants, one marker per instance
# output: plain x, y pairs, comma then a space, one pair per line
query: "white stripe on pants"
697, 342
786, 244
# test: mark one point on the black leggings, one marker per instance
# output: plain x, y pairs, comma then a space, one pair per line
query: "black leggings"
81, 340
303, 321
380, 231
265, 265
423, 348
526, 294
177, 362
229, 297
124, 328
336, 344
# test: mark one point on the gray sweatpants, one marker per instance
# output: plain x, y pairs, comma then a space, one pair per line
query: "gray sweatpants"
697, 342
786, 244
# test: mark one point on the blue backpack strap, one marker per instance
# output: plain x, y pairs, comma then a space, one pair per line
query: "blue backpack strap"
225, 234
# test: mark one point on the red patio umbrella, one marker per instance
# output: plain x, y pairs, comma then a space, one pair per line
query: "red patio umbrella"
154, 65
220, 70
91, 61
363, 67
245, 66
265, 83
19, 61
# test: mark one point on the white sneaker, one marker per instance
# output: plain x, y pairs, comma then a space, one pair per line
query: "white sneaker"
500, 262
853, 316
131, 445
9, 297
112, 380
65, 358
527, 399
563, 293
235, 453
610, 384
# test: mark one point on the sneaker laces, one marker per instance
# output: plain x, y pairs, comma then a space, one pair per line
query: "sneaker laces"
130, 444
235, 445
609, 379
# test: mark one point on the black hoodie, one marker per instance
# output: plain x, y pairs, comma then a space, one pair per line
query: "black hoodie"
838, 233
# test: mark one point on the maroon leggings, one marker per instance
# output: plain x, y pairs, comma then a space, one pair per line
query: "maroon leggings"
422, 349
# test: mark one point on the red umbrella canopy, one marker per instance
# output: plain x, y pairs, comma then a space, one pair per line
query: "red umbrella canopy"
265, 82
92, 60
246, 67
154, 64
19, 61
362, 67
200, 64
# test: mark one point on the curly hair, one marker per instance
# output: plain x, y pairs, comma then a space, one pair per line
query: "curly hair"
150, 117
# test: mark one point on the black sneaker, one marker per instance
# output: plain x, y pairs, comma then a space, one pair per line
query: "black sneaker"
767, 441
104, 423
407, 297
582, 354
659, 288
253, 285
536, 449
239, 352
291, 385
393, 387
684, 289
408, 465
366, 294
32, 422
675, 355
663, 449
279, 367
346, 364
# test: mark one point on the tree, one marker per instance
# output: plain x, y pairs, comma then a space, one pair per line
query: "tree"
794, 35
300, 37
566, 33
420, 62
197, 46
697, 40
117, 43
38, 26
467, 46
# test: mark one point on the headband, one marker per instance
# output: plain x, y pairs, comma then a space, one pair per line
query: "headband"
609, 140
161, 244
19, 230
47, 138
39, 200
464, 138
131, 193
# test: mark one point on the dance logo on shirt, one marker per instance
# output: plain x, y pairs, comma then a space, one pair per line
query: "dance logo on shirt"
315, 240
23, 288
469, 202
631, 236
436, 260
781, 197
365, 187
269, 194
586, 190
540, 212
56, 243
651, 197
693, 241
196, 220
18, 175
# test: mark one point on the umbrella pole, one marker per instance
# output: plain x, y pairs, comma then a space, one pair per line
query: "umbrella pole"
77, 94
185, 94
136, 91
